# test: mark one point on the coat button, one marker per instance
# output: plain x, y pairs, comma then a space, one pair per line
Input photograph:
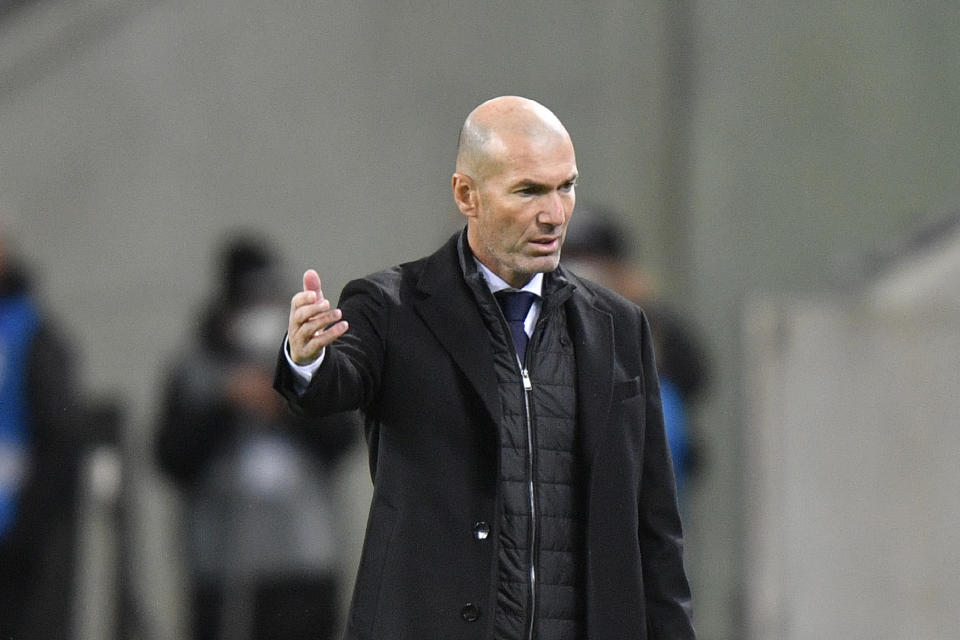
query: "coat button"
470, 612
481, 530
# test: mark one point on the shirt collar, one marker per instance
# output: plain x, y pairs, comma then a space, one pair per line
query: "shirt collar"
496, 283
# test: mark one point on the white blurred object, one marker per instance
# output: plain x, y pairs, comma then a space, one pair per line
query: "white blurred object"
96, 611
851, 436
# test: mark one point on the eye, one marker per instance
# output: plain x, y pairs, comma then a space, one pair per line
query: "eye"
568, 186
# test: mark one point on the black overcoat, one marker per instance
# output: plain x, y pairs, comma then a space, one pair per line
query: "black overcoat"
417, 359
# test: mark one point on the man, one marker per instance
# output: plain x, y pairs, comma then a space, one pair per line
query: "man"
39, 445
522, 482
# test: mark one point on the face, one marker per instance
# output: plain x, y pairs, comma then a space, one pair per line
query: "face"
517, 212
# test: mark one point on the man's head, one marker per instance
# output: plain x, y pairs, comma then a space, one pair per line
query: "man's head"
515, 183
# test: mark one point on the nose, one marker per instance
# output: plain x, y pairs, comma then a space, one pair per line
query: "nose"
554, 210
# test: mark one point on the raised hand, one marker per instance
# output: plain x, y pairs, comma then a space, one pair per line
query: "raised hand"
313, 324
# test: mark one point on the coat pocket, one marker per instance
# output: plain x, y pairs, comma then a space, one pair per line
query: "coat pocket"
626, 389
628, 415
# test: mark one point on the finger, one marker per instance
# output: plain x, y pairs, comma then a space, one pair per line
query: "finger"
320, 339
324, 337
309, 324
313, 314
311, 282
303, 306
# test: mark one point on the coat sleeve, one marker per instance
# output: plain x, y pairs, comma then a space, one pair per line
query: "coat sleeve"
349, 377
660, 535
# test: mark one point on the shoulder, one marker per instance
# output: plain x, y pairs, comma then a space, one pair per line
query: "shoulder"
388, 285
605, 299
397, 283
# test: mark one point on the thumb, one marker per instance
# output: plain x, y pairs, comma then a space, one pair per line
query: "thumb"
311, 282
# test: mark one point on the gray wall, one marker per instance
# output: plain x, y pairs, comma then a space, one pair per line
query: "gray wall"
754, 146
822, 132
852, 441
852, 436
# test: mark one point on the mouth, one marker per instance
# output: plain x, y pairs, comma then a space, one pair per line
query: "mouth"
546, 244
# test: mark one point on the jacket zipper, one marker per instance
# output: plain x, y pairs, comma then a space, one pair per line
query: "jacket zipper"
531, 483
531, 487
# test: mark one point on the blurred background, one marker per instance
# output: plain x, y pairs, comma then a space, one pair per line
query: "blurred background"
783, 177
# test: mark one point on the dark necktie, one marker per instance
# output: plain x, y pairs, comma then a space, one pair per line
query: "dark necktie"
515, 306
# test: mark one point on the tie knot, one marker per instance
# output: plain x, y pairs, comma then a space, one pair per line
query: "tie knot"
515, 304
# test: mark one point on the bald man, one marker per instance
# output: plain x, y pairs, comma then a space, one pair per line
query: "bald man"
523, 487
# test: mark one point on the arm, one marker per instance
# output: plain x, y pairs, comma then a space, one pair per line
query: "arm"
351, 361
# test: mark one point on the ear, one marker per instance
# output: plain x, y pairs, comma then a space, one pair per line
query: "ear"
465, 194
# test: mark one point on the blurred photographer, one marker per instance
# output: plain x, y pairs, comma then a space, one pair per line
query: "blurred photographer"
261, 536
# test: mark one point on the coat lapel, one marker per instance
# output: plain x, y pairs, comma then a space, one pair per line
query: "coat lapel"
449, 310
592, 331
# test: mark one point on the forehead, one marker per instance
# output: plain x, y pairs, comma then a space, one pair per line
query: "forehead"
539, 159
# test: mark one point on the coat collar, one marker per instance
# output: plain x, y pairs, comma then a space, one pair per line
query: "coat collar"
447, 304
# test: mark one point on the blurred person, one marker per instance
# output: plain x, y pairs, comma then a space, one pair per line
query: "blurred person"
598, 247
262, 547
38, 461
522, 481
